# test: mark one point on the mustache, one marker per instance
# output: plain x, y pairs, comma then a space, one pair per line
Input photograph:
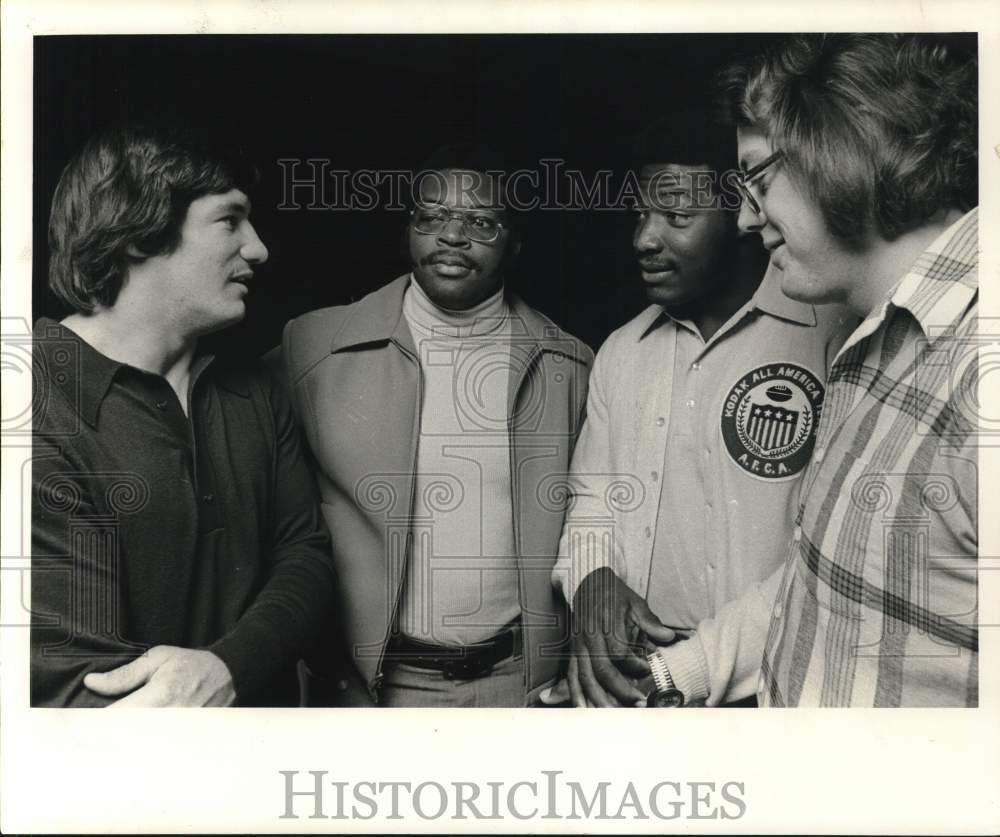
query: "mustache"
449, 257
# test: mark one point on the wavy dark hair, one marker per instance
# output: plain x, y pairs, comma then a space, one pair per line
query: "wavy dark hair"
881, 129
129, 188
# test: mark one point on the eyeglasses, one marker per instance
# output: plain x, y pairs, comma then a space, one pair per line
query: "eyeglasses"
477, 225
743, 181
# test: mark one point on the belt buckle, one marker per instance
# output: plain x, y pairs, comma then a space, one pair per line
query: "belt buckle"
466, 669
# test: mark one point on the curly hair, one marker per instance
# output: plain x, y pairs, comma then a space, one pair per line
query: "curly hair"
881, 129
126, 193
689, 135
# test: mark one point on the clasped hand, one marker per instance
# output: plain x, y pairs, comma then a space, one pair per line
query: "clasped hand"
613, 629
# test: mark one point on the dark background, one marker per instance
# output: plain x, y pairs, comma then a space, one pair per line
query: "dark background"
383, 102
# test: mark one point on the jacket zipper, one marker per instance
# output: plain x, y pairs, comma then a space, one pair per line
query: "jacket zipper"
415, 441
514, 495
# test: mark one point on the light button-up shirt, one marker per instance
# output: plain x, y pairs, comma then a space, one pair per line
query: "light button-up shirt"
725, 482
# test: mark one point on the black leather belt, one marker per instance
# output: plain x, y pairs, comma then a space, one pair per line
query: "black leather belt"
458, 662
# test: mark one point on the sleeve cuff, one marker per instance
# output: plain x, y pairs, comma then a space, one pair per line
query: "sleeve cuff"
570, 578
249, 656
688, 667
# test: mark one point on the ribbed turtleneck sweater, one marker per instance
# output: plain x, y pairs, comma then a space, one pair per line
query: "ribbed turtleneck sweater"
461, 581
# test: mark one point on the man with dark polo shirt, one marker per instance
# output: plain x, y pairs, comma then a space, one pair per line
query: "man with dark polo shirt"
178, 556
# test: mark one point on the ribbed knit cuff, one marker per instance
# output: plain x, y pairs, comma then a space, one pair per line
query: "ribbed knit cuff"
688, 667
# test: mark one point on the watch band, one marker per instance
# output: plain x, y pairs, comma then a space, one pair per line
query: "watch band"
666, 695
661, 674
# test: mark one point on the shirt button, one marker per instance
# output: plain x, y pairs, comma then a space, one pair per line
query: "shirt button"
819, 454
654, 476
649, 532
695, 366
661, 421
690, 403
161, 405
797, 534
209, 498
779, 608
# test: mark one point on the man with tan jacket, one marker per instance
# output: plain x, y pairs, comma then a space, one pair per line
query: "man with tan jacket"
441, 412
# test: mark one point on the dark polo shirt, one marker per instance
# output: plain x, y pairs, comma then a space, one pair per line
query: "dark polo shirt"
150, 527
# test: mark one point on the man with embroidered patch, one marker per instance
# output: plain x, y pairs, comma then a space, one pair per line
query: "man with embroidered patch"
701, 416
860, 159
441, 411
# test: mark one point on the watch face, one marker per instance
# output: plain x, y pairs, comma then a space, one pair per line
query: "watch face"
670, 699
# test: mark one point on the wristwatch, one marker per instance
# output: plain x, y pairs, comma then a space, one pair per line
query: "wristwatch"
666, 695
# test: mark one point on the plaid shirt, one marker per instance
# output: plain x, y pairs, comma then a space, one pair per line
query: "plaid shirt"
878, 604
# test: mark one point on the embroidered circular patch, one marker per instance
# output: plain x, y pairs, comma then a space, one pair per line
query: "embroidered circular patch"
769, 420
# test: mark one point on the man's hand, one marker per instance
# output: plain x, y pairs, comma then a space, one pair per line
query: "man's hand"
608, 619
167, 676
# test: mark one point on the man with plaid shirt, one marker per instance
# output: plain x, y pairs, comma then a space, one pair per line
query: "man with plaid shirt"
860, 174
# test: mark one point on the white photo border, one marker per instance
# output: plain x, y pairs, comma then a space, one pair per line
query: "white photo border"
804, 771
